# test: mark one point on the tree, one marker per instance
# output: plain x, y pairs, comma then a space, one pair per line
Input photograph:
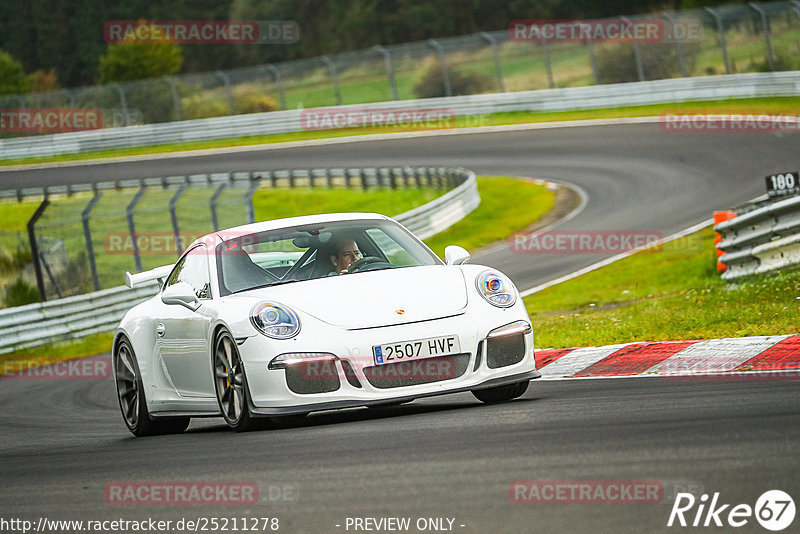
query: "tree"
125, 62
12, 77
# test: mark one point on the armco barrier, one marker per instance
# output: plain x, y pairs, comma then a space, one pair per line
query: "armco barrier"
74, 317
598, 96
761, 240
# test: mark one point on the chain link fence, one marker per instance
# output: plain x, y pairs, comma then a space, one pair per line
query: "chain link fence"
754, 37
84, 239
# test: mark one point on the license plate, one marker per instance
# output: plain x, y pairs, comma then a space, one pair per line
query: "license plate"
416, 350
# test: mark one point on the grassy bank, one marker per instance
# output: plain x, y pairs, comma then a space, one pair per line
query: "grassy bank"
672, 293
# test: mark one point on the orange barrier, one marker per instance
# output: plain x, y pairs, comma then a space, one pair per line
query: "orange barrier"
721, 216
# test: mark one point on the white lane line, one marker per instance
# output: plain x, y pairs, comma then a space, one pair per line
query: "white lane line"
578, 360
714, 356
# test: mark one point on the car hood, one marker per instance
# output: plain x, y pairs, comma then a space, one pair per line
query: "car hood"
378, 298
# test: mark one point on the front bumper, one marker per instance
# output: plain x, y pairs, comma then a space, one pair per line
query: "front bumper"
351, 378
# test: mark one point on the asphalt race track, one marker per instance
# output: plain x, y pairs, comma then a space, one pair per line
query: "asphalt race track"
451, 457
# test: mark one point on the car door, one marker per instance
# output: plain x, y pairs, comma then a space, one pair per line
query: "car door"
182, 334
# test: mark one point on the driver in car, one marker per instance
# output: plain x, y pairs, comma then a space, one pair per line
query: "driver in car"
346, 254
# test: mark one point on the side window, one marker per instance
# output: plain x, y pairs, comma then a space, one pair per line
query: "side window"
193, 269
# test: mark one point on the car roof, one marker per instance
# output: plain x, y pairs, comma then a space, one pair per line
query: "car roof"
293, 221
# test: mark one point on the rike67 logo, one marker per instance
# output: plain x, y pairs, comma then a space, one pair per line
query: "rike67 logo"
774, 510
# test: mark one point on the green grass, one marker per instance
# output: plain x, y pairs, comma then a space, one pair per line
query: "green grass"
753, 105
507, 204
674, 293
524, 203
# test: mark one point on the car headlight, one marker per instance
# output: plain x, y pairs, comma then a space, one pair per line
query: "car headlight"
274, 320
496, 288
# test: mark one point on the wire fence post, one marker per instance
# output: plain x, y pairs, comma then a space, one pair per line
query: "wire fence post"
37, 266
123, 103
276, 75
593, 61
87, 234
673, 22
387, 59
547, 65
250, 215
176, 100
334, 78
173, 215
637, 53
767, 31
448, 88
137, 258
212, 204
721, 37
226, 81
498, 67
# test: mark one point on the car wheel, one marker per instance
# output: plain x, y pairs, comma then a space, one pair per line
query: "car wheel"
132, 403
501, 393
231, 385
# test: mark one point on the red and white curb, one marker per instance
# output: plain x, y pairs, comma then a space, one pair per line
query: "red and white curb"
763, 356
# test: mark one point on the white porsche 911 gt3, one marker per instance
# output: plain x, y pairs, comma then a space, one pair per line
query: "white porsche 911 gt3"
315, 313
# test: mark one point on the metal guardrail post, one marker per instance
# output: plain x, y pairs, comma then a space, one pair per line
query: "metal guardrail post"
212, 204
721, 37
678, 43
173, 215
250, 215
276, 74
767, 31
37, 267
498, 67
387, 59
334, 78
228, 92
87, 234
126, 120
448, 87
137, 258
176, 100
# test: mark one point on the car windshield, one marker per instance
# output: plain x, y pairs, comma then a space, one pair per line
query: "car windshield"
307, 252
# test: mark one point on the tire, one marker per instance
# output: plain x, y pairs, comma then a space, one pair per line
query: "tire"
132, 402
230, 384
501, 393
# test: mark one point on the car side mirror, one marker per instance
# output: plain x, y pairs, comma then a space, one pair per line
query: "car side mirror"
455, 255
180, 293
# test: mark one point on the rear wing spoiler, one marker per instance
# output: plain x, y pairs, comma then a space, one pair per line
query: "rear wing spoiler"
159, 273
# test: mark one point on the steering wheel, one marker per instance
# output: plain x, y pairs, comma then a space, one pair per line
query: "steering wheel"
363, 262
